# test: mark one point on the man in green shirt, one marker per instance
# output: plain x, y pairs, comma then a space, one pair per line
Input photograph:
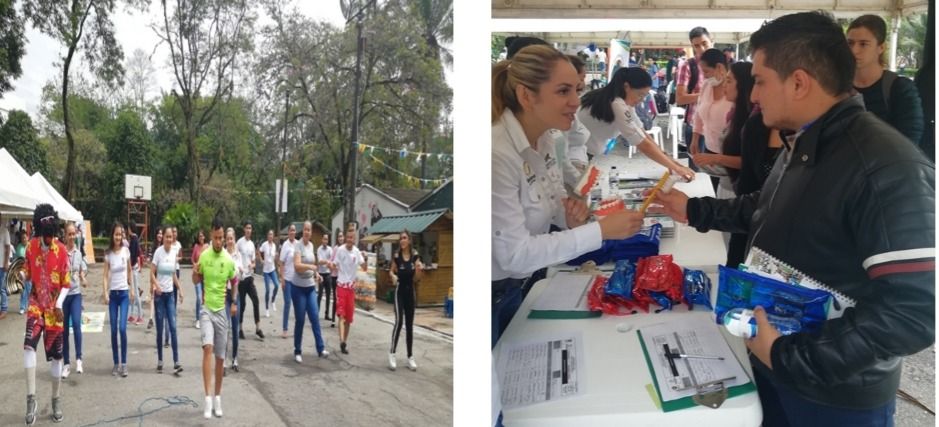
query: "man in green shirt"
216, 268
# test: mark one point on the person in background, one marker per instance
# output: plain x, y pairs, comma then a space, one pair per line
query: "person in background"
217, 270
47, 267
232, 301
303, 293
158, 241
852, 205
348, 257
72, 307
165, 285
287, 272
117, 275
406, 268
892, 98
197, 249
136, 263
323, 254
689, 78
268, 253
710, 115
22, 240
334, 272
730, 54
246, 287
5, 249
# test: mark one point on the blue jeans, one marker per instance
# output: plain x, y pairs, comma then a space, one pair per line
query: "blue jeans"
782, 407
232, 320
198, 299
165, 306
504, 307
24, 296
3, 291
117, 309
268, 279
304, 302
288, 292
72, 311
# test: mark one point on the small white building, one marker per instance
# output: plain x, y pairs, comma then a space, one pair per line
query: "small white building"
371, 204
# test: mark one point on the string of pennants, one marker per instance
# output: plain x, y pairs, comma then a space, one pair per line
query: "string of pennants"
403, 153
411, 179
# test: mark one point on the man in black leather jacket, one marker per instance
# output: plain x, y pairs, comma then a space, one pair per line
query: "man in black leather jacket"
849, 202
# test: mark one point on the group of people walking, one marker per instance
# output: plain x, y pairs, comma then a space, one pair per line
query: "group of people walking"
223, 278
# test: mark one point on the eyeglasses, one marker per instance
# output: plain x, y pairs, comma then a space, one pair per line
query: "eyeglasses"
47, 220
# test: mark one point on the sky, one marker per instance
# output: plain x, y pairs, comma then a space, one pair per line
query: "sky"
133, 32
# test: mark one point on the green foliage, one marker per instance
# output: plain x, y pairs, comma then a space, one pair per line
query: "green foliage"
21, 139
188, 221
496, 46
12, 45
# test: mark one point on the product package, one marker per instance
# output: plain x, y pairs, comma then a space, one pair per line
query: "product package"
740, 289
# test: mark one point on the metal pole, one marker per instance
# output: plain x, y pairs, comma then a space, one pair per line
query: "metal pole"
349, 211
283, 175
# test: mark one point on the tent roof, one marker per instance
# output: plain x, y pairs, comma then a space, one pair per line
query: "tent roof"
17, 194
65, 209
645, 9
414, 222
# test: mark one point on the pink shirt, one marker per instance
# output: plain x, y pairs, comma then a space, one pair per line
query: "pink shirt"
710, 118
681, 80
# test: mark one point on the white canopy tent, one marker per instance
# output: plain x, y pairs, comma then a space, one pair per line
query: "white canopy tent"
65, 209
18, 197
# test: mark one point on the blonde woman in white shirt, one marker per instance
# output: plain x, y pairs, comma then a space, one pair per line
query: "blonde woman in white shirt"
532, 93
165, 287
116, 279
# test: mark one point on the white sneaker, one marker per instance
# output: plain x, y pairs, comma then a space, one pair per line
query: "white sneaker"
412, 365
207, 413
218, 406
324, 354
267, 313
65, 371
392, 362
197, 324
22, 311
78, 366
273, 307
298, 358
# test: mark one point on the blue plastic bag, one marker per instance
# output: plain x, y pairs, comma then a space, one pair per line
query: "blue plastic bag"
622, 280
740, 289
697, 289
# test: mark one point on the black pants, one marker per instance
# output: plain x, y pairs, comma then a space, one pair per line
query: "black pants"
405, 299
329, 289
246, 286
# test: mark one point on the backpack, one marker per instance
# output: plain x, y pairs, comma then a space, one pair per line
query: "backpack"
887, 84
692, 82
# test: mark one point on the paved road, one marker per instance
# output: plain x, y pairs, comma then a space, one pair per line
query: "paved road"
271, 389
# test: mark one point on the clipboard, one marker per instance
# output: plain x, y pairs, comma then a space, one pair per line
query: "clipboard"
688, 402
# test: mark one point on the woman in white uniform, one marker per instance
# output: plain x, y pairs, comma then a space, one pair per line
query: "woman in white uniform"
611, 111
532, 93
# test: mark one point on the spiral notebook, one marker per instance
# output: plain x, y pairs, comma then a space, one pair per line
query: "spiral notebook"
760, 262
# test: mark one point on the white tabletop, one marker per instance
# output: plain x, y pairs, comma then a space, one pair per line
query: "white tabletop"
615, 372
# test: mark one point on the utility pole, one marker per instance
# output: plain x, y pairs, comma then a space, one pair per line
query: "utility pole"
349, 210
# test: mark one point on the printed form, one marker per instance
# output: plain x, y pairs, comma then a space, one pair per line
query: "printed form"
540, 371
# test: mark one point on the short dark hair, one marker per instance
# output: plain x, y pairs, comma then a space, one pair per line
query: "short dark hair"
808, 41
515, 44
729, 49
578, 63
712, 57
217, 224
600, 101
876, 25
246, 223
698, 32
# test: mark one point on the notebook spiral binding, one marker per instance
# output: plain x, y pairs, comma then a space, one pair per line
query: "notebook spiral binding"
761, 262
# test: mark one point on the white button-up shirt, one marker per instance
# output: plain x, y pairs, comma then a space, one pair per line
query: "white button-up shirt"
527, 189
625, 122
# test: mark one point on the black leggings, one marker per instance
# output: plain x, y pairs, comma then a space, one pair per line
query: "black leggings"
246, 286
329, 289
405, 299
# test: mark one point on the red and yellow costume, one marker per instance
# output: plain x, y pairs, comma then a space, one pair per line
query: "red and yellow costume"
49, 272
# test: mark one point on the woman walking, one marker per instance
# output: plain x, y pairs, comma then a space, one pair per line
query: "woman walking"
303, 293
406, 266
196, 277
72, 308
269, 256
20, 252
116, 279
158, 242
231, 298
165, 285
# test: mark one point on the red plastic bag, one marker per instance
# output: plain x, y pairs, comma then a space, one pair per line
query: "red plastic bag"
658, 273
598, 300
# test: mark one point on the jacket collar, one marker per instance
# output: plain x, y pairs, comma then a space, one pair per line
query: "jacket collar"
514, 131
824, 129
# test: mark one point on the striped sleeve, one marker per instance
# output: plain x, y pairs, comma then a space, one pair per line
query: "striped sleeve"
905, 261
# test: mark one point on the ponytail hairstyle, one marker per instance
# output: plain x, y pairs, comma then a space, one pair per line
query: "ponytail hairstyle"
600, 101
530, 67
712, 57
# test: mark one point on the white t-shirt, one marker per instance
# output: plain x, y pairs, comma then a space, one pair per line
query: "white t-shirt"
269, 253
176, 248
325, 252
348, 262
4, 245
245, 247
117, 264
625, 122
165, 268
307, 256
75, 265
286, 258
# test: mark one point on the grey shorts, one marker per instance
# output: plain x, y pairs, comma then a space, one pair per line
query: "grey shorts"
214, 328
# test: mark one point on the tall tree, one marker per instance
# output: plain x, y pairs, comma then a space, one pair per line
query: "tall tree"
204, 38
140, 79
21, 139
65, 21
12, 42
